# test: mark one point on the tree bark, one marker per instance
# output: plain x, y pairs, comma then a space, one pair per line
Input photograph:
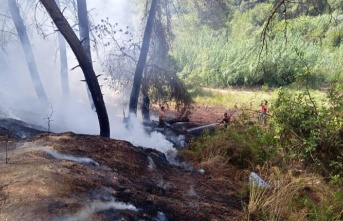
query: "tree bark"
30, 59
63, 62
86, 66
137, 80
146, 107
84, 36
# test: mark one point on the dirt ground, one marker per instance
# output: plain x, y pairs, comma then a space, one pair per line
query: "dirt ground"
201, 115
69, 177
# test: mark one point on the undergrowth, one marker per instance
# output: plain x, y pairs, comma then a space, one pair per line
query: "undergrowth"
293, 196
299, 152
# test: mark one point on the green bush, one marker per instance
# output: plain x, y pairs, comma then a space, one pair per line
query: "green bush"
243, 146
311, 130
334, 38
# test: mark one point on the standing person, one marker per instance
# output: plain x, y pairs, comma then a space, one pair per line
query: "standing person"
226, 120
161, 121
263, 113
145, 107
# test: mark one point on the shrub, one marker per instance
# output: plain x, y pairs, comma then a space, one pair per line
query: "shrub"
240, 145
335, 37
312, 131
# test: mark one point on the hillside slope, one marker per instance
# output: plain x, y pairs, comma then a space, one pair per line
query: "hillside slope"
69, 176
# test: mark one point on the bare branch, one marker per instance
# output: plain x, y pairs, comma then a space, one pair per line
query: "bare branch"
75, 67
269, 20
7, 16
9, 32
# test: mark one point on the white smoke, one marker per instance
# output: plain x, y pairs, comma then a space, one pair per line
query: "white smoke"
191, 191
60, 156
136, 134
86, 212
19, 100
152, 164
117, 10
161, 217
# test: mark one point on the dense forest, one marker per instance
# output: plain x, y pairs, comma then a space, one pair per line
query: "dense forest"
248, 43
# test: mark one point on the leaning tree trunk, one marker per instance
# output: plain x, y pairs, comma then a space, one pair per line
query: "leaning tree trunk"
86, 66
84, 36
63, 62
137, 80
25, 42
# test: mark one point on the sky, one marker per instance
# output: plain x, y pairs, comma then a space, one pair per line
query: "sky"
18, 98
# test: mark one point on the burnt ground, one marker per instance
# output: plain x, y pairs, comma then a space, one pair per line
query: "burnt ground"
108, 180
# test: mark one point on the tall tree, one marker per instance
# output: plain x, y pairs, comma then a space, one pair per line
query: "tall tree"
159, 77
25, 42
84, 35
63, 62
86, 66
137, 80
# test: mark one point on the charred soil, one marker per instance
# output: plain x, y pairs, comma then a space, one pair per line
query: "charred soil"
105, 179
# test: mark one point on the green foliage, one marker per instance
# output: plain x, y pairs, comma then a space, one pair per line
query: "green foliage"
231, 55
312, 131
329, 209
213, 13
200, 92
305, 127
335, 37
242, 145
336, 5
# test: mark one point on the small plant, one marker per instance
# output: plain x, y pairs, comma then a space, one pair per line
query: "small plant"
49, 120
265, 87
8, 145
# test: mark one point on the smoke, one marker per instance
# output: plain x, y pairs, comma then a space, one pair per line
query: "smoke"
191, 191
161, 217
117, 10
60, 156
136, 134
86, 212
152, 164
19, 100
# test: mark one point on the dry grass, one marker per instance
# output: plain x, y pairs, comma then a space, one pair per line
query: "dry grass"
292, 198
243, 98
232, 97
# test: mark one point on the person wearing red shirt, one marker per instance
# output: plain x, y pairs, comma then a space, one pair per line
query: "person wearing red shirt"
263, 113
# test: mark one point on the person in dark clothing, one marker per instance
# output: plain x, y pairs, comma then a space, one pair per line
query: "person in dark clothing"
226, 120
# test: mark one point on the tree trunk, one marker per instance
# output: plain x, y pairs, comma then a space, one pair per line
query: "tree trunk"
84, 36
63, 62
137, 80
30, 59
146, 107
86, 66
